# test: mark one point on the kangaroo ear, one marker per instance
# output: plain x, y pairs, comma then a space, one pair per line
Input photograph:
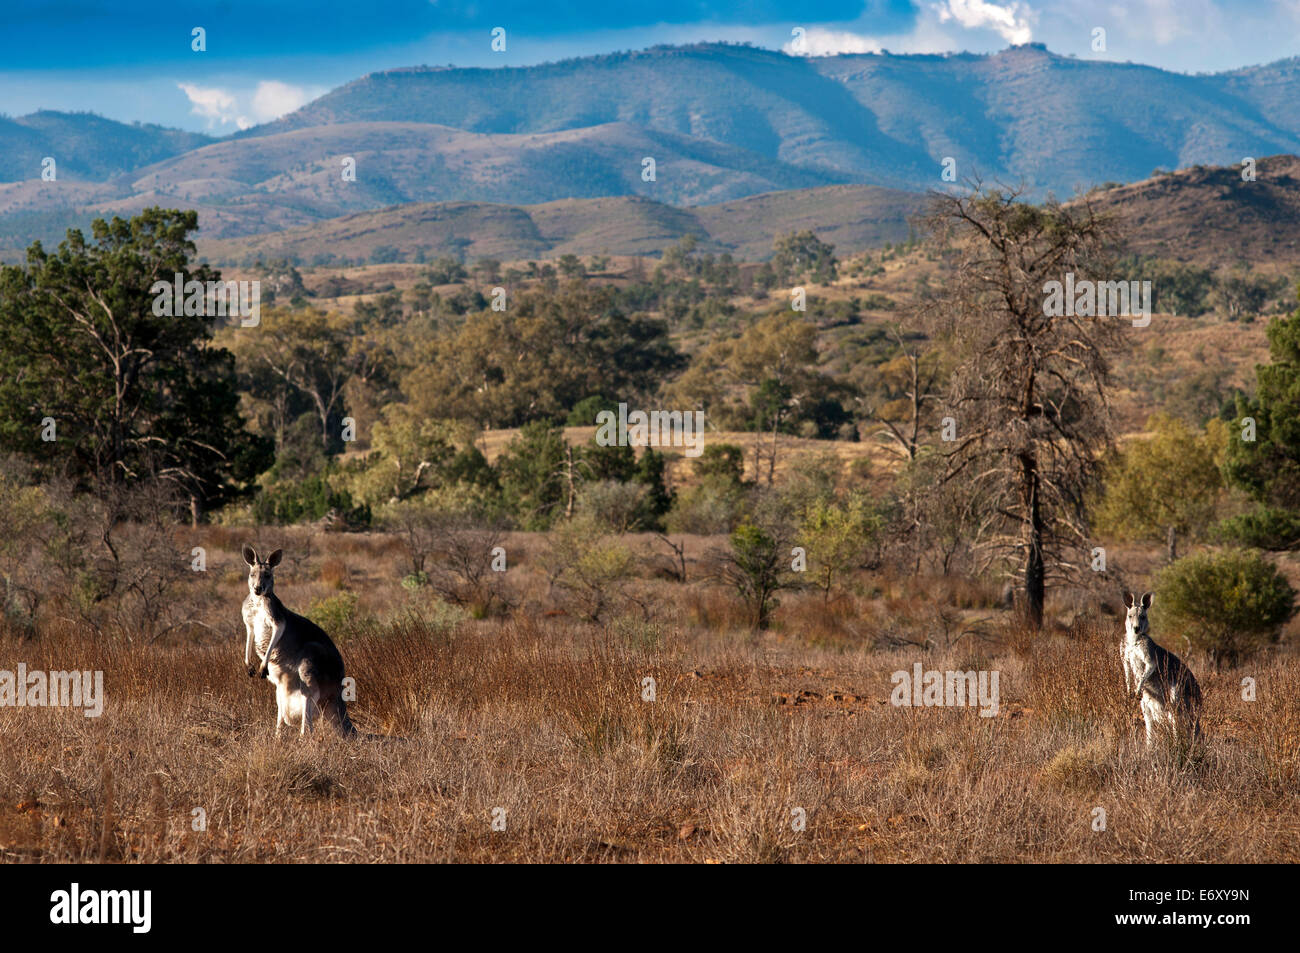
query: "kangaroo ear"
250, 555
274, 558
1146, 600
1128, 600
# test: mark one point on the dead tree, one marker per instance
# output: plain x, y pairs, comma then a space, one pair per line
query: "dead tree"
1026, 418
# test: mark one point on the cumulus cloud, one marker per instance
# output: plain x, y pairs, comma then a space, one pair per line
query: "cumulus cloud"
273, 99
936, 29
269, 100
1011, 21
213, 104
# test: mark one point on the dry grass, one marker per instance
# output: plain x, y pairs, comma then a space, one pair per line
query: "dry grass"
544, 718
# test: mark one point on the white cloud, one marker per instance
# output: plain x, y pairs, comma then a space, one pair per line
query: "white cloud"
819, 42
1011, 22
273, 99
214, 104
270, 100
937, 29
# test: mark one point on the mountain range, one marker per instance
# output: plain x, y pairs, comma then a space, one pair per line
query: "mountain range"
723, 123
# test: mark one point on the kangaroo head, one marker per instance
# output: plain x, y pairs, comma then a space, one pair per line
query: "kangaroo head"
1135, 622
261, 579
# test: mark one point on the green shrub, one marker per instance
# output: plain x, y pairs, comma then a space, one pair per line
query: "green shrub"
754, 568
618, 507
335, 613
1228, 603
587, 567
307, 500
722, 460
839, 536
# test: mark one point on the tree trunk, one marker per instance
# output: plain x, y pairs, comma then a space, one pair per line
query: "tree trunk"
568, 458
196, 509
1035, 569
1172, 544
771, 463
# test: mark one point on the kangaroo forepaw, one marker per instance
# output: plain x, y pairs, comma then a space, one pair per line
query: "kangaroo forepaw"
262, 672
251, 671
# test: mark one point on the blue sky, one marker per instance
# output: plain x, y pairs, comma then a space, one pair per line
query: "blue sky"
133, 60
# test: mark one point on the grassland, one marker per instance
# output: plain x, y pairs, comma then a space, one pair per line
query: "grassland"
541, 714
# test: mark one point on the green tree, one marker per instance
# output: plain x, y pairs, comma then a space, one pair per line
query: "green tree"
411, 454
1240, 295
132, 394
839, 536
571, 266
309, 350
542, 356
803, 253
532, 472
1267, 468
1165, 486
754, 567
759, 379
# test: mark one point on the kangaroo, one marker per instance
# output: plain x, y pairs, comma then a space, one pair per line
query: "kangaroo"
296, 654
1168, 689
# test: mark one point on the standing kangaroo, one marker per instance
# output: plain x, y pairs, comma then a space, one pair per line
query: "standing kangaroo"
296, 654
1168, 689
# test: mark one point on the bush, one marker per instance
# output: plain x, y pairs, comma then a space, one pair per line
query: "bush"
307, 501
588, 568
335, 613
584, 411
1228, 603
453, 551
753, 566
618, 507
1264, 527
722, 460
840, 537
715, 506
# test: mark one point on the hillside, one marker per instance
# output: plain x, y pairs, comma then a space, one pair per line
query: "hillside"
1022, 114
1205, 215
851, 217
86, 147
1211, 216
722, 122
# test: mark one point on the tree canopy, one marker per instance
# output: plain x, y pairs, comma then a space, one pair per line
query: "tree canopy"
131, 395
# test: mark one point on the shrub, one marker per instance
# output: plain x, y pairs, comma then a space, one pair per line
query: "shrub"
618, 507
335, 613
840, 537
715, 506
1228, 603
753, 567
589, 568
454, 551
306, 501
583, 413
1163, 487
725, 460
1082, 770
334, 573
